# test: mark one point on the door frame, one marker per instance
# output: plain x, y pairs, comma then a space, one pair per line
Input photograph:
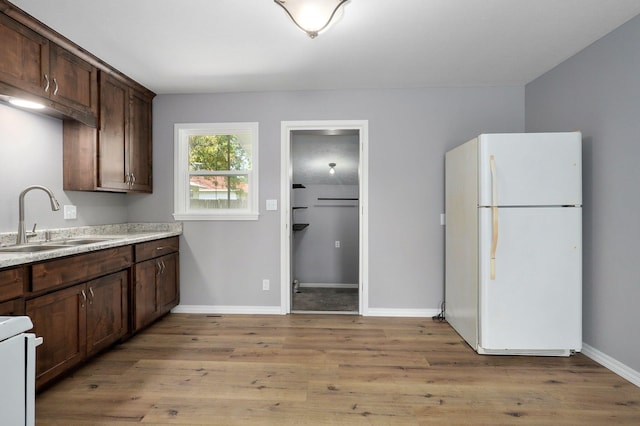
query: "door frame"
285, 196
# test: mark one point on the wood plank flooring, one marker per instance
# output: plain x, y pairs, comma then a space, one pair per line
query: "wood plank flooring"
329, 370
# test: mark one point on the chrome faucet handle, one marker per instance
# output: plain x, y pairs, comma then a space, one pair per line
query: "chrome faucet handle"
33, 232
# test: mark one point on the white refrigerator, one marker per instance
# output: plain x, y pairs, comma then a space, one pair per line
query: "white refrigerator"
513, 238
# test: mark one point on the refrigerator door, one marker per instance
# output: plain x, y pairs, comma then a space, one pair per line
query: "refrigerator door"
534, 303
531, 169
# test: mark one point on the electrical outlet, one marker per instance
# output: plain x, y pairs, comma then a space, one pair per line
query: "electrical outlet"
70, 212
443, 219
265, 285
337, 244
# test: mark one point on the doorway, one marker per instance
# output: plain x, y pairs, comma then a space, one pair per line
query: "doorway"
324, 217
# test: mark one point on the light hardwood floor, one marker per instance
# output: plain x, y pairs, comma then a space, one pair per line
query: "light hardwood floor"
329, 370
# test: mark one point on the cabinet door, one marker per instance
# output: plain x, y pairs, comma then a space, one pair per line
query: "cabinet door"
12, 308
168, 279
112, 137
59, 318
73, 81
106, 310
24, 57
139, 142
146, 294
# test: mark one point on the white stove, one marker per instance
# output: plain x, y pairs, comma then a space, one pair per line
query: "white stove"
17, 370
11, 326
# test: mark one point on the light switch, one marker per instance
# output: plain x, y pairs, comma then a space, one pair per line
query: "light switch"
272, 204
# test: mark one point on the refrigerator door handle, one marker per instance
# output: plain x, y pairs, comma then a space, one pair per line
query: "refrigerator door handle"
494, 217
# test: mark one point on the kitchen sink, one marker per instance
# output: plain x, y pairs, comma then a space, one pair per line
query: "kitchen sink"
51, 245
31, 248
82, 241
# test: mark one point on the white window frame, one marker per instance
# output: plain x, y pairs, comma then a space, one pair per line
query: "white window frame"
182, 132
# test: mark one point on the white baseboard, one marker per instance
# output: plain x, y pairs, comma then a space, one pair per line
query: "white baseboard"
275, 310
327, 285
221, 309
612, 364
415, 313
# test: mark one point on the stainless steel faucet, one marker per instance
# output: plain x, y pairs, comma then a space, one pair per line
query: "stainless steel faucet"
22, 235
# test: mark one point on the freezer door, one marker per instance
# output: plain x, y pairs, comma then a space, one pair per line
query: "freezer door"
531, 169
534, 303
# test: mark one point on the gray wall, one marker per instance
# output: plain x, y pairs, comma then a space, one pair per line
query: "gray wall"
316, 259
31, 154
223, 263
598, 92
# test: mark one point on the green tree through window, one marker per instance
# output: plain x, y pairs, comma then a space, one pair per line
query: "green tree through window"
218, 169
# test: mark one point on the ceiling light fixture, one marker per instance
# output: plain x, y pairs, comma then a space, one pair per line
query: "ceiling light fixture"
311, 16
332, 169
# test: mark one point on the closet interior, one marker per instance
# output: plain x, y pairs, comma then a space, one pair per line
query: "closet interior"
325, 222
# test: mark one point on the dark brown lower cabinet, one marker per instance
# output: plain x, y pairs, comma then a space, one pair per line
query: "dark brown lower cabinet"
12, 283
77, 322
157, 289
106, 311
12, 308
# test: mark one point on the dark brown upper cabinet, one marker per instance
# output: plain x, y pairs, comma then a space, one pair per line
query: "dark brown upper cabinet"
107, 116
34, 68
116, 156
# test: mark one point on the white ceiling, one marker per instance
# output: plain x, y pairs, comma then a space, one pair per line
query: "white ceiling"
206, 46
209, 46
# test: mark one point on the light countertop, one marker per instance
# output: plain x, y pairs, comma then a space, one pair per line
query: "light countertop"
115, 236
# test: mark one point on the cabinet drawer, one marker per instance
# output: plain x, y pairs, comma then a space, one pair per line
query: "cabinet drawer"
79, 268
156, 248
11, 283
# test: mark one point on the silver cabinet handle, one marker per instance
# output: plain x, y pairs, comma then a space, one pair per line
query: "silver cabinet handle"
84, 298
46, 83
92, 296
133, 179
55, 83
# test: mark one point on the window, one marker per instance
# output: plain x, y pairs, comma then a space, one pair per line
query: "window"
216, 171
